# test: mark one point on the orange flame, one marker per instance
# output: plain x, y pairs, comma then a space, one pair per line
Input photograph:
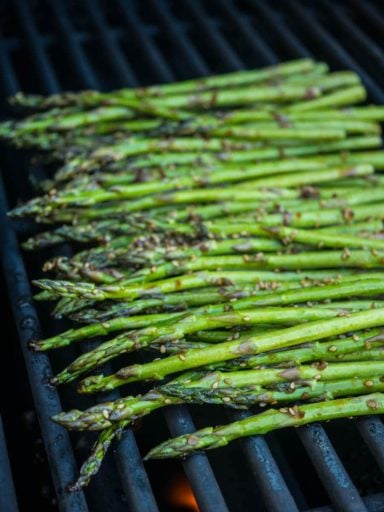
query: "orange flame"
180, 495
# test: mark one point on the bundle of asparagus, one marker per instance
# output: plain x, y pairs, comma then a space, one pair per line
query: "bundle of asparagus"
231, 224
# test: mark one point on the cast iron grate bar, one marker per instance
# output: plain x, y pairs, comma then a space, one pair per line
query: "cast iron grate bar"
266, 471
158, 64
223, 50
332, 473
8, 78
75, 50
179, 38
373, 503
57, 442
197, 467
335, 52
250, 35
8, 501
292, 44
133, 475
36, 47
110, 48
274, 489
372, 14
356, 36
371, 429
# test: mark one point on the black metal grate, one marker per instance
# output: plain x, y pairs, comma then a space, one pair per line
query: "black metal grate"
7, 496
48, 46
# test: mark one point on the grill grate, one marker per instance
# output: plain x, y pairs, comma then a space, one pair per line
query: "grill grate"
118, 43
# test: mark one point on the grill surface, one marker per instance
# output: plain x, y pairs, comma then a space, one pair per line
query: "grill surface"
47, 47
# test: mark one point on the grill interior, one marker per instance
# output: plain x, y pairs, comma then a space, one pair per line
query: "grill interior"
47, 47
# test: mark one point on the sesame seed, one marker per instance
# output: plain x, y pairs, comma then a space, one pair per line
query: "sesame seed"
372, 404
345, 254
192, 440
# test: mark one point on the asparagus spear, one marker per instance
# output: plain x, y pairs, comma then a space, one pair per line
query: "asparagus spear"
92, 465
88, 98
367, 287
95, 196
289, 235
363, 113
268, 376
142, 174
143, 283
267, 421
354, 94
273, 153
310, 219
126, 256
300, 261
65, 119
311, 331
281, 93
226, 152
75, 130
129, 409
176, 301
259, 281
115, 236
376, 354
123, 209
131, 341
228, 174
335, 349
